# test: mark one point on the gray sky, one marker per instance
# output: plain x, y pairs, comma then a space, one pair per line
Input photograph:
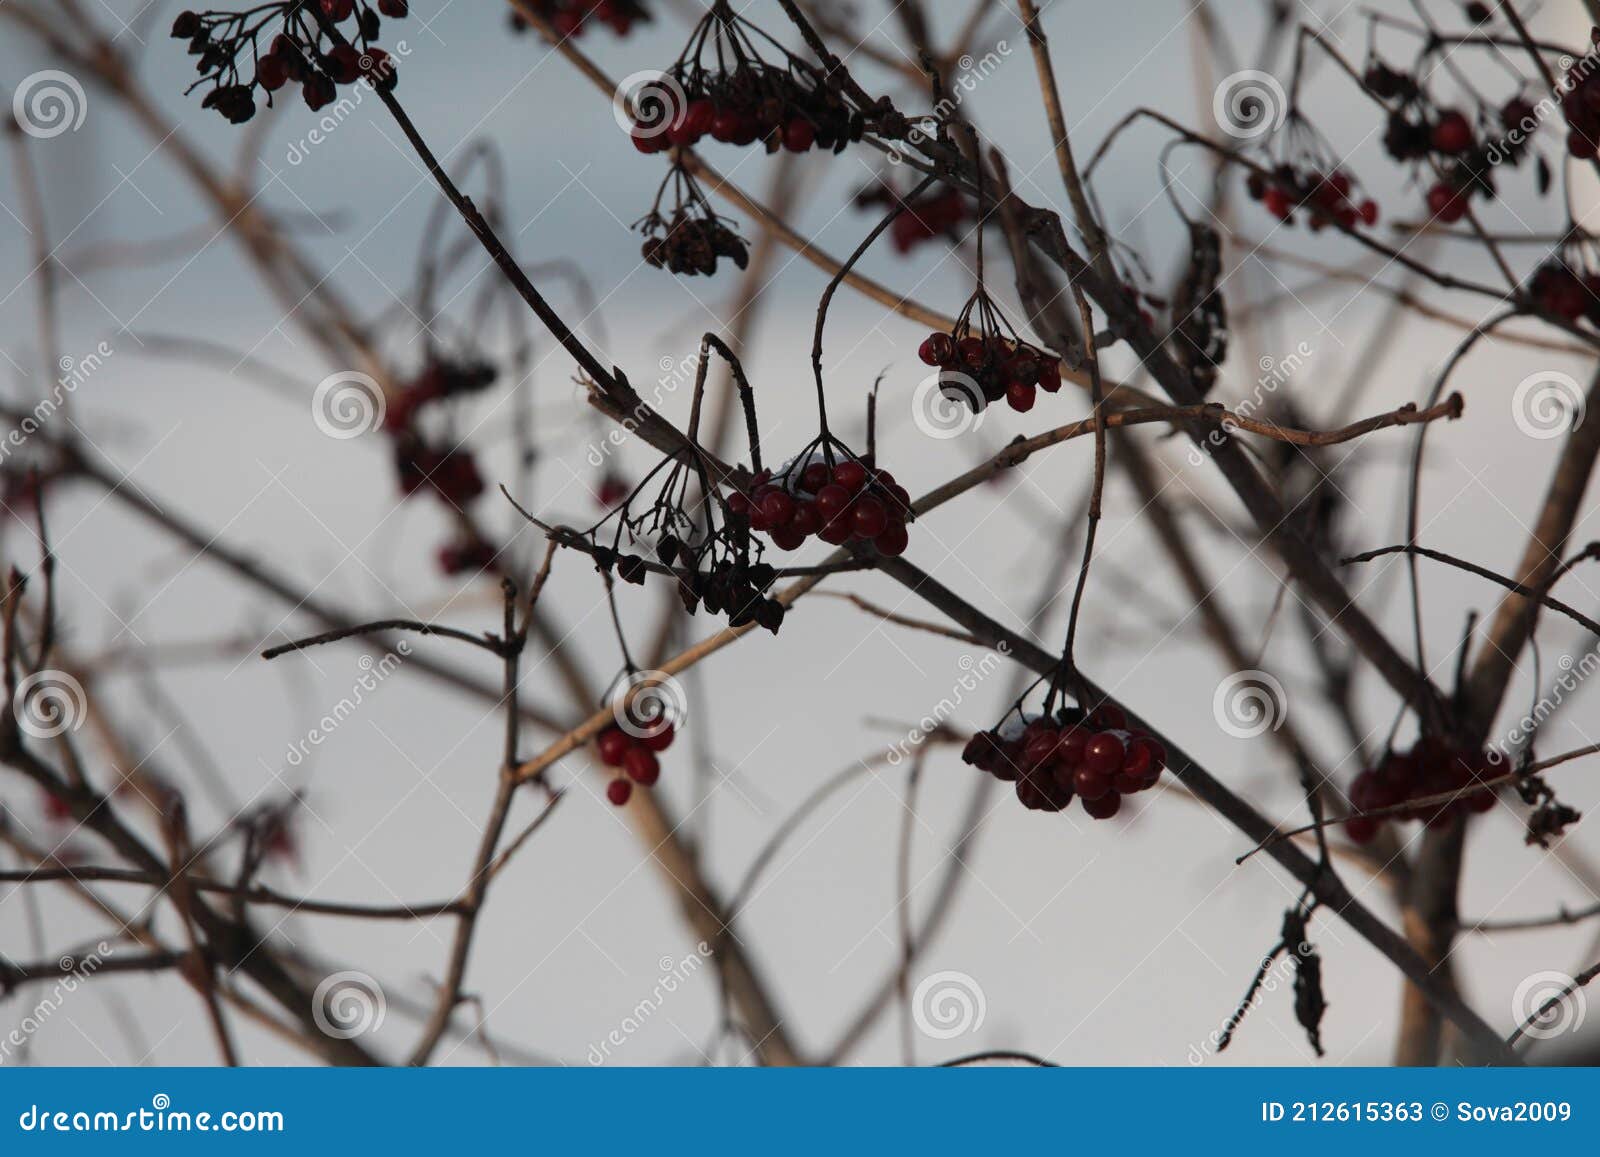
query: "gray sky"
1124, 942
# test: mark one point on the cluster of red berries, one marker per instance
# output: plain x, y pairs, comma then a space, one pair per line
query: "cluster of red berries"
468, 553
634, 756
752, 103
845, 502
1325, 196
1001, 368
440, 380
450, 473
1097, 757
1558, 288
296, 54
1461, 150
1432, 767
1580, 102
569, 17
933, 215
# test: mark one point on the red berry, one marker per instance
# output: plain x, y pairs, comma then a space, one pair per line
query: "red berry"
648, 141
1020, 396
698, 117
1369, 212
614, 744
1276, 202
618, 791
1142, 761
725, 124
893, 541
1446, 203
831, 501
836, 533
869, 518
1109, 717
272, 72
660, 737
1073, 741
344, 64
1090, 783
799, 135
1040, 748
805, 520
1361, 829
1023, 368
641, 765
787, 537
937, 349
394, 8
1050, 375
814, 477
1104, 807
1104, 754
852, 475
982, 751
337, 10
778, 508
318, 91
1452, 133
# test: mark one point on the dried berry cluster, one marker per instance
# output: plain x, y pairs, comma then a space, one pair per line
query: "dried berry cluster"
1325, 196
299, 51
634, 756
570, 17
690, 237
847, 501
999, 367
1433, 766
712, 563
1051, 758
